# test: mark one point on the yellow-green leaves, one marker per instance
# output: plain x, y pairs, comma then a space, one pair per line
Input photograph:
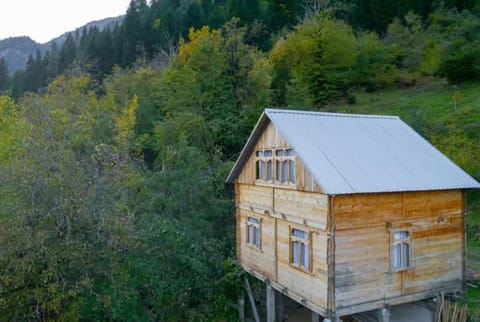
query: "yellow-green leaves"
11, 129
125, 124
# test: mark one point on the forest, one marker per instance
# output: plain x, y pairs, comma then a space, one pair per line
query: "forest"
115, 146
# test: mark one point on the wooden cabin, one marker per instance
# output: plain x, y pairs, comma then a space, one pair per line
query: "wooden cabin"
349, 213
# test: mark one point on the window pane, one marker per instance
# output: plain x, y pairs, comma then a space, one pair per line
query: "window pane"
269, 170
279, 153
284, 171
257, 237
290, 152
305, 256
292, 171
253, 220
278, 171
260, 153
250, 234
400, 235
268, 153
299, 233
405, 255
262, 170
396, 256
295, 252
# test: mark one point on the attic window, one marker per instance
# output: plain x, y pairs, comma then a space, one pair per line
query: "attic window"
264, 165
401, 250
300, 250
285, 166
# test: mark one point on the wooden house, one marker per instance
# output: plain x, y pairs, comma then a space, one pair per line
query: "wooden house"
349, 213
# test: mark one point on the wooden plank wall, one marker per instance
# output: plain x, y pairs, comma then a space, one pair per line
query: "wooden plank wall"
362, 246
263, 260
271, 139
312, 286
280, 210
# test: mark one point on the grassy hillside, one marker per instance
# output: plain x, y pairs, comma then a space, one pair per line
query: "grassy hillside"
430, 108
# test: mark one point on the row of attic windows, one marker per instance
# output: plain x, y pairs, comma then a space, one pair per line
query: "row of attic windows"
276, 165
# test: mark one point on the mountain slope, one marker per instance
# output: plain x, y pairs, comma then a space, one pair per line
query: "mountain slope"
16, 50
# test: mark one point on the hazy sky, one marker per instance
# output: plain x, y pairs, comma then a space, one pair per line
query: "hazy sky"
43, 20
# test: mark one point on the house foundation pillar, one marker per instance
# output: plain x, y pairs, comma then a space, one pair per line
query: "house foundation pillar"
270, 303
384, 314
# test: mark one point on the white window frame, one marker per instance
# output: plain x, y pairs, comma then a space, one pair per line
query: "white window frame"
401, 250
285, 166
264, 165
254, 232
301, 249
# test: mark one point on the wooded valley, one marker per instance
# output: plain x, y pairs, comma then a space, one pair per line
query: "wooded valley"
115, 146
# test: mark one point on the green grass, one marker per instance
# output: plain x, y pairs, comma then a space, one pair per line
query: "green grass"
473, 253
427, 107
472, 299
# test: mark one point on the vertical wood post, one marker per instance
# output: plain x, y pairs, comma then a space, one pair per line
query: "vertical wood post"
252, 300
315, 317
241, 308
270, 303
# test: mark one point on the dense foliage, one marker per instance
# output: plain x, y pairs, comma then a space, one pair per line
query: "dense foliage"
112, 165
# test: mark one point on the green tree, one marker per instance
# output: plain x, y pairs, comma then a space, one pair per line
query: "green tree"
68, 53
64, 208
51, 62
4, 77
314, 63
375, 67
215, 76
17, 84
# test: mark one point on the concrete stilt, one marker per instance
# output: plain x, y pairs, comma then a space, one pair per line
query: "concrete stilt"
241, 308
384, 314
270, 303
252, 299
280, 304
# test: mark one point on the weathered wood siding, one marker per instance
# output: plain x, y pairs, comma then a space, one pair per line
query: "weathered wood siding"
263, 260
312, 286
280, 210
272, 139
364, 224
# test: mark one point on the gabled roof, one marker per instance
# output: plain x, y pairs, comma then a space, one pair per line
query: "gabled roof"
349, 153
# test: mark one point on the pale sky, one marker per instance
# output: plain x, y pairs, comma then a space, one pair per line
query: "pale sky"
43, 20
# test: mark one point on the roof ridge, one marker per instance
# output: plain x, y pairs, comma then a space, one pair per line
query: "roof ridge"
330, 114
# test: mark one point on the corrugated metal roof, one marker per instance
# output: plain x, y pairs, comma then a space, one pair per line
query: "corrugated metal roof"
351, 153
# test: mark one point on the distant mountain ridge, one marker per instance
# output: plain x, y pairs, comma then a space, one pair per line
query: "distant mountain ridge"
15, 50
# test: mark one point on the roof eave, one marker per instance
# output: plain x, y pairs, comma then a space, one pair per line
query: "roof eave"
244, 155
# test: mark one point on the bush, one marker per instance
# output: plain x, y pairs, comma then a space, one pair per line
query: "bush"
462, 62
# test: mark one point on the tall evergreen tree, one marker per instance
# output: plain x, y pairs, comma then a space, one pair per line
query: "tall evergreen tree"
68, 53
17, 84
51, 62
34, 73
4, 77
131, 33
